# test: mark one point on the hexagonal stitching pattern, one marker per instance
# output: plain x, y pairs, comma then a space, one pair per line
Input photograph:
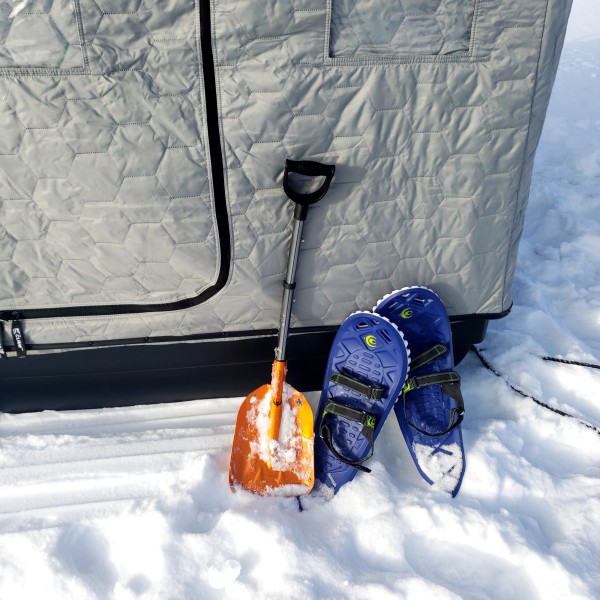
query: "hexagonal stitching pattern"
429, 155
378, 27
389, 205
104, 195
40, 34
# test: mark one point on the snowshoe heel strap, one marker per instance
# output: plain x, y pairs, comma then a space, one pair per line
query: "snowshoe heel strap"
365, 419
450, 384
372, 392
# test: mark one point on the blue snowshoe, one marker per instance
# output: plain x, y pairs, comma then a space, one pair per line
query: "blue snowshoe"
431, 407
366, 371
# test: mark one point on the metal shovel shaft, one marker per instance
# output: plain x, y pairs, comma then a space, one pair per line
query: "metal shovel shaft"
288, 288
279, 365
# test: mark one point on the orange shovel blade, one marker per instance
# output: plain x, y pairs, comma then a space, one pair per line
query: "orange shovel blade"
283, 467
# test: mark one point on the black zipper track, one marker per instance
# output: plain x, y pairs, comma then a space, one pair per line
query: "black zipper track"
220, 201
220, 336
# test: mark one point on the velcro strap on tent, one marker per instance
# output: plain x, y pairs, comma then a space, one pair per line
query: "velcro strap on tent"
365, 419
372, 392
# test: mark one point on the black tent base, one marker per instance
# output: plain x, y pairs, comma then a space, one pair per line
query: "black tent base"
172, 372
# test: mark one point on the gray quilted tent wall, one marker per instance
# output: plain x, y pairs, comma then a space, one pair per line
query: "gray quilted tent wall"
143, 145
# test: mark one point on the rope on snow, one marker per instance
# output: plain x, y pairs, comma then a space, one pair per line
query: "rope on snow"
570, 362
562, 413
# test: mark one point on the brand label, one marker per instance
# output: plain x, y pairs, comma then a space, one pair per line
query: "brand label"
407, 313
2, 350
371, 341
18, 339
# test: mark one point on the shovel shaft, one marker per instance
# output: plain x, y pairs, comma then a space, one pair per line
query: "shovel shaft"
277, 381
288, 289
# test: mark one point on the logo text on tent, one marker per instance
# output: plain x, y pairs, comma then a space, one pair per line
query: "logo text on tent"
18, 338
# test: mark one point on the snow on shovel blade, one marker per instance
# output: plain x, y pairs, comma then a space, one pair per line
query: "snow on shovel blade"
273, 467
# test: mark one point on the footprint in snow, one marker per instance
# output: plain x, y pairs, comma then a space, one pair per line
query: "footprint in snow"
220, 576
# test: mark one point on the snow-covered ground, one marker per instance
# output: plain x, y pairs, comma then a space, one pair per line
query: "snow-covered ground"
134, 503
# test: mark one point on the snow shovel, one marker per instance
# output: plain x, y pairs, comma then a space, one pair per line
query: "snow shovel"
272, 452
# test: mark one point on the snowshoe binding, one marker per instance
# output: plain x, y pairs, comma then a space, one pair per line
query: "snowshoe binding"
431, 408
365, 373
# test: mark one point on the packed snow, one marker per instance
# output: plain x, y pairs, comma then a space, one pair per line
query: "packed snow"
281, 454
135, 503
442, 466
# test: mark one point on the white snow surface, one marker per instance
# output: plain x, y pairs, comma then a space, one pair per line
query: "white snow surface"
134, 502
443, 467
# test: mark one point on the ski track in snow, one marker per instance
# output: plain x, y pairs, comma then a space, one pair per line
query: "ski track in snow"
134, 502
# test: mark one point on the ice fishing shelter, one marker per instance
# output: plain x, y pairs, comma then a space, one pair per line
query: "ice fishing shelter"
143, 226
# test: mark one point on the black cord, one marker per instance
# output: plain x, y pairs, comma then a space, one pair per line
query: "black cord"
570, 362
562, 413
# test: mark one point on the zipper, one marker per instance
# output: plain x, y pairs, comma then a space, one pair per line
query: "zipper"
220, 203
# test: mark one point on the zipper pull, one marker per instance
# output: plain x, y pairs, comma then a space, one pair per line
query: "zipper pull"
18, 337
2, 348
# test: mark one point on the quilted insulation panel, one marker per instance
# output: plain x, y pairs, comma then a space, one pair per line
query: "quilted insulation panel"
431, 111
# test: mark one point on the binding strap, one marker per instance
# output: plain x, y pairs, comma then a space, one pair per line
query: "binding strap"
372, 392
428, 356
449, 381
365, 419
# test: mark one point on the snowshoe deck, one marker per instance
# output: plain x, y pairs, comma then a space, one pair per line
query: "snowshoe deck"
365, 373
431, 407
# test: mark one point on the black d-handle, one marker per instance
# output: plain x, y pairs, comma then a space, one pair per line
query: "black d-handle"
309, 168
